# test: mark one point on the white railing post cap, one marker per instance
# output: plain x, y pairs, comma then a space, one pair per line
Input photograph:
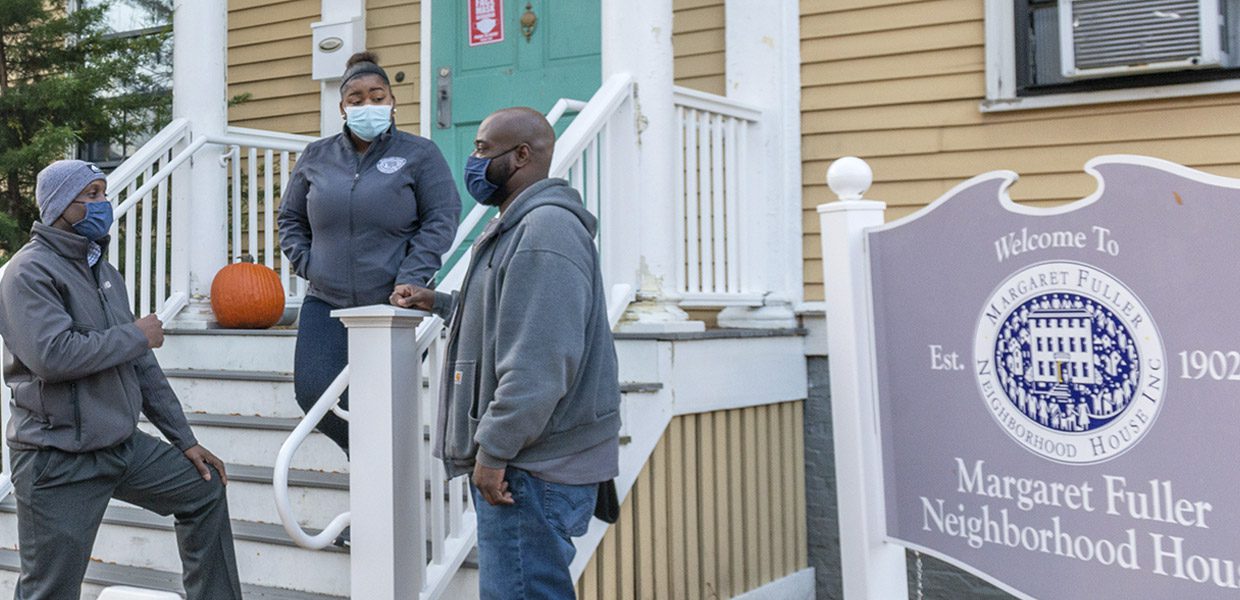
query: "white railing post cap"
850, 178
379, 315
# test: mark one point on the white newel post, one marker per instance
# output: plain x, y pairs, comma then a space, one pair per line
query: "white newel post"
341, 33
872, 568
762, 69
200, 190
386, 497
637, 39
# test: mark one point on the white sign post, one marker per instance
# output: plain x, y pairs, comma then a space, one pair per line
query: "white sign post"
873, 569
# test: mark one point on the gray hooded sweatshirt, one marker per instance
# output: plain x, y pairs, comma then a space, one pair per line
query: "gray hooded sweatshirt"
531, 366
355, 225
80, 370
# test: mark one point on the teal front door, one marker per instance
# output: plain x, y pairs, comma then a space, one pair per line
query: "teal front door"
493, 54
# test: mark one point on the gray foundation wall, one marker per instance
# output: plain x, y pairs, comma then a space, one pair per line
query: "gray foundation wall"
939, 580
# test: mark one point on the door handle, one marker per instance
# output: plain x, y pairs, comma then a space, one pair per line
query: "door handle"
443, 91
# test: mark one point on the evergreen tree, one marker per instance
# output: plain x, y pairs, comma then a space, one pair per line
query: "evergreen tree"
66, 79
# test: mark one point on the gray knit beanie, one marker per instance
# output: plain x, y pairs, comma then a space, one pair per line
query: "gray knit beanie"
59, 183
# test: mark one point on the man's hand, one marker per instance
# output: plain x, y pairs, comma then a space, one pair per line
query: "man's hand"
153, 329
412, 296
491, 484
201, 457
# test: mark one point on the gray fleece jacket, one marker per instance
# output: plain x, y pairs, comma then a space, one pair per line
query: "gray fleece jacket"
355, 225
531, 366
80, 370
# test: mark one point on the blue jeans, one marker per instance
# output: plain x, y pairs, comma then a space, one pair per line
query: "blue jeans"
524, 550
322, 352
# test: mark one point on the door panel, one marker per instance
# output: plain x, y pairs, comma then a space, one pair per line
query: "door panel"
561, 59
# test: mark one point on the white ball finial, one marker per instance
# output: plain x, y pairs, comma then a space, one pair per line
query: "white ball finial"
850, 178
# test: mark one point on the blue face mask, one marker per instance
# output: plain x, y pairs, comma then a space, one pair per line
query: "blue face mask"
97, 222
370, 121
481, 188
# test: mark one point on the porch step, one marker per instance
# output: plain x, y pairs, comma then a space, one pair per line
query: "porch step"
228, 349
101, 575
265, 554
254, 440
236, 392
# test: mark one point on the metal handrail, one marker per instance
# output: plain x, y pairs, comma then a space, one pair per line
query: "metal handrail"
284, 460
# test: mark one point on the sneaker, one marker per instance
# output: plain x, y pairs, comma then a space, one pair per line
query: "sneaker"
344, 540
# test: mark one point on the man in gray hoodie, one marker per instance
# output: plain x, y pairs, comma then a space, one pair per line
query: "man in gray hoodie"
531, 407
81, 370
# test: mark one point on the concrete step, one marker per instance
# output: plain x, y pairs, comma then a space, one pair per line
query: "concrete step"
250, 440
265, 555
101, 575
228, 349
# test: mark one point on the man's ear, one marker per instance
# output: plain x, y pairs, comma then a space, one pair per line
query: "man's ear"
342, 114
523, 155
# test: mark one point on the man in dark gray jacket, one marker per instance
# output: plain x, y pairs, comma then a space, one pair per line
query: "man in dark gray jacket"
81, 370
532, 403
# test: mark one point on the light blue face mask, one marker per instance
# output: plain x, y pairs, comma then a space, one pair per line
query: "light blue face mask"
97, 222
370, 121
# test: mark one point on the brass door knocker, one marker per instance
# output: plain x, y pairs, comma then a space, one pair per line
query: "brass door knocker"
529, 21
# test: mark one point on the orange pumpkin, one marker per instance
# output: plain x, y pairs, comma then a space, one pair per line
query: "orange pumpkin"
246, 295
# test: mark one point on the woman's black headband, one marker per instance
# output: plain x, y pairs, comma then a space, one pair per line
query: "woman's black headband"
363, 68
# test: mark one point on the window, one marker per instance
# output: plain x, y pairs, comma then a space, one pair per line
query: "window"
135, 19
1023, 67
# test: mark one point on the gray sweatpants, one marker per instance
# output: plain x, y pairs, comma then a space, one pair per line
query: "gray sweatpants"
61, 497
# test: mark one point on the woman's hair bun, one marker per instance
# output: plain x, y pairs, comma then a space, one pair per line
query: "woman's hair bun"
364, 56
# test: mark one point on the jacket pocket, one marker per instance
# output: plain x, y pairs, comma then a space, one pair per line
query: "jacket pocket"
463, 406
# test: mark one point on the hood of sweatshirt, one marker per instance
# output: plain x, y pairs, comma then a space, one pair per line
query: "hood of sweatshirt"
548, 192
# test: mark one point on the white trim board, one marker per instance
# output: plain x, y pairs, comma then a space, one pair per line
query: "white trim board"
797, 586
1001, 95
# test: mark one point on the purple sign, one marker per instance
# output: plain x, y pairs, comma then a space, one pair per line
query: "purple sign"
1059, 389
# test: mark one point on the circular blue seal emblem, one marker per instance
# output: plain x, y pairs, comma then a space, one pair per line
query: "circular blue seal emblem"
1069, 362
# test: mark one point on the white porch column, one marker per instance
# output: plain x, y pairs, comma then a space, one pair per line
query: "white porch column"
199, 94
340, 34
872, 568
386, 498
763, 69
637, 38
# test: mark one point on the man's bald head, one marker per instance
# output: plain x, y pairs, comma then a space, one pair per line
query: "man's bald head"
516, 126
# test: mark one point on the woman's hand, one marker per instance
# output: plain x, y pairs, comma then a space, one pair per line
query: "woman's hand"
412, 296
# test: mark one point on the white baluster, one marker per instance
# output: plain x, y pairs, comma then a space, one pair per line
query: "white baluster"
235, 157
719, 250
269, 230
252, 166
733, 171
692, 238
161, 239
145, 290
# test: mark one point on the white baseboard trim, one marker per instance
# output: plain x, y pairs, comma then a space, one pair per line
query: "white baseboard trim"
797, 586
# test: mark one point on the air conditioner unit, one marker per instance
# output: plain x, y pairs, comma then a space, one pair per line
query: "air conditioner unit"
1110, 38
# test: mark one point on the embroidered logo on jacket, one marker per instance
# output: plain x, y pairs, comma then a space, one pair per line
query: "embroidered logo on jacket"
391, 164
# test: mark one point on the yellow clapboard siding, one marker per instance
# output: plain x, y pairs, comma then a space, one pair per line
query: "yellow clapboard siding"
812, 7
395, 14
698, 41
699, 65
932, 37
889, 18
274, 12
275, 69
894, 66
711, 476
286, 30
907, 91
703, 18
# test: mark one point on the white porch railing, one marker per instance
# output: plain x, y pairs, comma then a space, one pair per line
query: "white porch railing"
714, 176
259, 164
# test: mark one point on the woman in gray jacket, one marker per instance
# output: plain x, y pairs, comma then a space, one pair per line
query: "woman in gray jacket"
367, 211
